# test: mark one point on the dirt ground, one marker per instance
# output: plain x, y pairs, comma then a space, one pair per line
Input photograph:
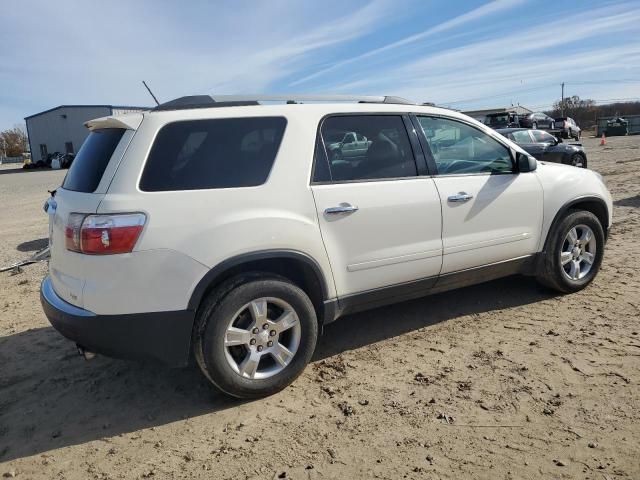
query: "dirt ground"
503, 380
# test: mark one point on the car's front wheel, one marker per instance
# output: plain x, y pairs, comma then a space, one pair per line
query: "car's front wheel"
578, 160
256, 338
574, 252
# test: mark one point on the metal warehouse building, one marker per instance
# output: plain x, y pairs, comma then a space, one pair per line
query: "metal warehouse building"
61, 129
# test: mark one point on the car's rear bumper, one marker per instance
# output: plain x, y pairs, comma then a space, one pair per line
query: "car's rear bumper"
161, 336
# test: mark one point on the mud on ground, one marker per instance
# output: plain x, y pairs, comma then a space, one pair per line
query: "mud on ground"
503, 380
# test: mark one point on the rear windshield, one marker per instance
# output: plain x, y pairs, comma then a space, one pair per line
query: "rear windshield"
213, 153
92, 159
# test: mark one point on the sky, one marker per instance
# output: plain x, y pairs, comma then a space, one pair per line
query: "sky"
461, 54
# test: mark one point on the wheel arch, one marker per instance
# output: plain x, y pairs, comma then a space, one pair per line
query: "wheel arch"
595, 205
298, 267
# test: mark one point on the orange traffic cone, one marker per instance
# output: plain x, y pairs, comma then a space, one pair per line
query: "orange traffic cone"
604, 140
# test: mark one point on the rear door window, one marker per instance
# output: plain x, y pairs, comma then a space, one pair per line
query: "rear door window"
89, 165
382, 150
213, 153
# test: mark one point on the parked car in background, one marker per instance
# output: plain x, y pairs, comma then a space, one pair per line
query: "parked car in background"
568, 128
347, 145
225, 229
537, 120
502, 120
545, 146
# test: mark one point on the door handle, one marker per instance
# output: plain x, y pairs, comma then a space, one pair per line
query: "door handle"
460, 197
342, 208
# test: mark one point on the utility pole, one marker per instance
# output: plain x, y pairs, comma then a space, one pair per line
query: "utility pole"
562, 102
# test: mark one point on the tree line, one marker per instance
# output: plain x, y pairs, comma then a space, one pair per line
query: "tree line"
585, 111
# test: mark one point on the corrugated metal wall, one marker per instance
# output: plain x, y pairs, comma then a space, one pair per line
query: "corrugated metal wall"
634, 124
59, 126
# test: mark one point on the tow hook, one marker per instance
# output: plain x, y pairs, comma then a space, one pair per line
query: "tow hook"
85, 353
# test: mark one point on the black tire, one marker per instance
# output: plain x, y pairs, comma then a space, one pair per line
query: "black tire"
219, 309
578, 160
551, 273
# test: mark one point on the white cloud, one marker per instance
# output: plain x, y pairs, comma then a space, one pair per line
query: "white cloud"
86, 52
533, 56
75, 51
490, 8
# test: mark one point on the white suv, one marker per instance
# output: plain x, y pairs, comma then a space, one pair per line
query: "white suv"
226, 227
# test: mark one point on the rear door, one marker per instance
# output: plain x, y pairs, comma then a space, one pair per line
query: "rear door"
81, 192
380, 220
490, 213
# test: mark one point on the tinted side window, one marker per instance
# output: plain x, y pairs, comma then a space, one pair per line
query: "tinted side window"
521, 136
542, 137
89, 165
458, 148
383, 152
216, 153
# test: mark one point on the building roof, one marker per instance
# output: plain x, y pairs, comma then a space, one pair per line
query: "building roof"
516, 108
112, 107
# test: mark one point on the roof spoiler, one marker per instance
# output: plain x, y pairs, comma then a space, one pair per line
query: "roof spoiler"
129, 121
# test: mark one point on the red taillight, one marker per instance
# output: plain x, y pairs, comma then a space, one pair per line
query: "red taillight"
103, 234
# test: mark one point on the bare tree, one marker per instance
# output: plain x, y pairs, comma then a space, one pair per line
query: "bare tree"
14, 141
585, 112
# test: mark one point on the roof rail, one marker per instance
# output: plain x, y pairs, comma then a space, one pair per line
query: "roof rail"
311, 98
211, 101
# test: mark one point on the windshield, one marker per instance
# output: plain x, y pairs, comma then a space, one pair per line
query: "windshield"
495, 119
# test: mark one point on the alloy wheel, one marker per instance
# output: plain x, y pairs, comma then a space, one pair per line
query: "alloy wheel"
578, 252
262, 338
577, 161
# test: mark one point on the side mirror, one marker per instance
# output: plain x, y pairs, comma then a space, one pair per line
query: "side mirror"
526, 163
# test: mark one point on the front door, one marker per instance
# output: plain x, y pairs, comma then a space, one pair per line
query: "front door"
547, 144
380, 220
490, 213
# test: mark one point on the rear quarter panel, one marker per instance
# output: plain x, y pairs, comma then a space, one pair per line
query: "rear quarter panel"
210, 226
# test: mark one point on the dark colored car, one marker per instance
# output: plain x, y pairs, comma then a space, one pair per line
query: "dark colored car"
568, 128
546, 147
537, 120
502, 120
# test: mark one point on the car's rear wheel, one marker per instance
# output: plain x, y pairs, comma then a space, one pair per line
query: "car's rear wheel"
574, 252
255, 339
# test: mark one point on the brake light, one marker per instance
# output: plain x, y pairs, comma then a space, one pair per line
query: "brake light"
103, 234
